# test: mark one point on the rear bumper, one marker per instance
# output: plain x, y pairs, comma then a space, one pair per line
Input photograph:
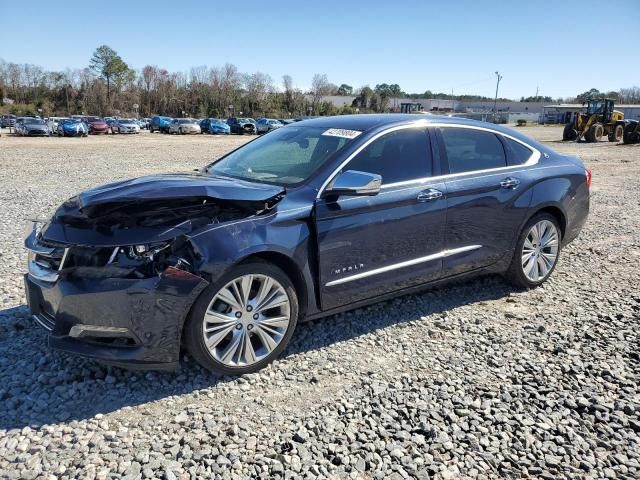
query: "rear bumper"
129, 322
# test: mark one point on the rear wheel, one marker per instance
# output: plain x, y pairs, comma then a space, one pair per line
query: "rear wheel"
595, 133
537, 252
243, 321
616, 134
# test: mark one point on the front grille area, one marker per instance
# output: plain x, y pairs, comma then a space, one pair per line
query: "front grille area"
46, 260
45, 320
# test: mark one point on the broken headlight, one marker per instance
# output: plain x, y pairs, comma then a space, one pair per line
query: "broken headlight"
145, 251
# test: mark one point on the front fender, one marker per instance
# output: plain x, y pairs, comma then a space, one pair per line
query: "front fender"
220, 247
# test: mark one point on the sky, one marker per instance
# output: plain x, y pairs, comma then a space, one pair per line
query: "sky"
558, 48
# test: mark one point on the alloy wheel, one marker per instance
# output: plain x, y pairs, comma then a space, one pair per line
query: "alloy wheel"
246, 320
540, 250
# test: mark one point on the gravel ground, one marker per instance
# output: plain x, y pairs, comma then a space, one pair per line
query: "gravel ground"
474, 380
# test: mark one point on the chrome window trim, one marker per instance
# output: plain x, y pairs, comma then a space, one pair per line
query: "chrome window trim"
407, 263
533, 159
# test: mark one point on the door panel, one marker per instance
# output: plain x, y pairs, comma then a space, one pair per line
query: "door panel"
480, 212
373, 245
484, 207
363, 239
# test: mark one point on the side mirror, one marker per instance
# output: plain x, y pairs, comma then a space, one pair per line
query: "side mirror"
353, 182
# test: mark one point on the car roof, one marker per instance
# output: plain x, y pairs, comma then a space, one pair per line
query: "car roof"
364, 122
379, 121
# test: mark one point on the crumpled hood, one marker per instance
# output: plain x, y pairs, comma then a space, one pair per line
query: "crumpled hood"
178, 186
156, 208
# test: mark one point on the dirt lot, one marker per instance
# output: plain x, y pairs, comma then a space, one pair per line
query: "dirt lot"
474, 380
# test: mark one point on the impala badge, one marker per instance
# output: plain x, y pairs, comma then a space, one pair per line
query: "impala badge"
348, 268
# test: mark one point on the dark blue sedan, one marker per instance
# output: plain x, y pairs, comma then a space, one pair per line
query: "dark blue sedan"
316, 218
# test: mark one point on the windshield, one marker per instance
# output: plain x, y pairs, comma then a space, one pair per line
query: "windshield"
286, 156
217, 122
34, 121
185, 120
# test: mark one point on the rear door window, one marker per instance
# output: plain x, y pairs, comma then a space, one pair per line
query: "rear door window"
469, 150
397, 156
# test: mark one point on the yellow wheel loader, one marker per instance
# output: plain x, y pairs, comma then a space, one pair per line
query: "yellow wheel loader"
600, 119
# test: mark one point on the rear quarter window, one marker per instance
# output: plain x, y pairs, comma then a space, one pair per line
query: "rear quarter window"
518, 153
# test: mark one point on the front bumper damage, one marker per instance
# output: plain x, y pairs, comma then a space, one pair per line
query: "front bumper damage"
115, 314
120, 321
113, 275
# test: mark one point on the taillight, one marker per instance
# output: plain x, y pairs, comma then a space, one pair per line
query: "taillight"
588, 174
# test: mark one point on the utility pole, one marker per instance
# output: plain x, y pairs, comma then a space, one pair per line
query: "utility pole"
495, 101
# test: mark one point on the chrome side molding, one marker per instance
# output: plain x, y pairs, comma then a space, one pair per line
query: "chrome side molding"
408, 263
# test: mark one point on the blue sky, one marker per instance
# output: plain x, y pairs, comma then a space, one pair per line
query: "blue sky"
443, 45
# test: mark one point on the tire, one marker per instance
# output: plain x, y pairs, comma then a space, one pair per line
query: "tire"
521, 272
569, 133
616, 134
629, 136
227, 326
594, 135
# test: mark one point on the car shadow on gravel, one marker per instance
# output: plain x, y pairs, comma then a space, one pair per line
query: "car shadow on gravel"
40, 386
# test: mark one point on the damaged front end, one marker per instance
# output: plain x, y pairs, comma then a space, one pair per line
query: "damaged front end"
113, 276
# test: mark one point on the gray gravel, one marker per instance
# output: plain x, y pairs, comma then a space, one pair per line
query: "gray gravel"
474, 380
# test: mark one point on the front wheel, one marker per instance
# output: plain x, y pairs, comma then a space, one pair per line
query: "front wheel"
537, 252
594, 135
243, 321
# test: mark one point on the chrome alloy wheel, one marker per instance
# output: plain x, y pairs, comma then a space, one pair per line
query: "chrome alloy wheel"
540, 250
246, 320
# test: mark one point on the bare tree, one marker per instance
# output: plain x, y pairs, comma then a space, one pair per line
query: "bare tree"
320, 88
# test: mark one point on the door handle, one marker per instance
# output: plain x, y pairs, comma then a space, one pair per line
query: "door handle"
429, 194
510, 182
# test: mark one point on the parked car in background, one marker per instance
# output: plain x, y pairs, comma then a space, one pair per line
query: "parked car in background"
97, 125
52, 123
241, 126
286, 121
214, 126
184, 126
125, 125
72, 127
265, 125
160, 124
145, 123
7, 121
32, 127
310, 220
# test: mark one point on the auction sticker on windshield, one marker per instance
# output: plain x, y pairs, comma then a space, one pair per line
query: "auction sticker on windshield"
341, 132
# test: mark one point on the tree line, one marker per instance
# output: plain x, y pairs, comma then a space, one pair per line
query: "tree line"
110, 86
